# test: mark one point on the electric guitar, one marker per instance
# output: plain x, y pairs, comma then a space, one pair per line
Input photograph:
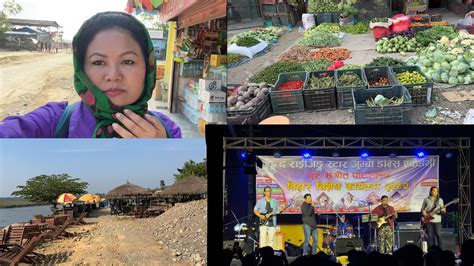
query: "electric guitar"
268, 216
429, 216
383, 220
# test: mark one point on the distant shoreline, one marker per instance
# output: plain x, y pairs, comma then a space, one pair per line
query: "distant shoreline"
18, 204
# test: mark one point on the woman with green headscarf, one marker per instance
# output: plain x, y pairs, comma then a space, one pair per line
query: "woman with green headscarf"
114, 74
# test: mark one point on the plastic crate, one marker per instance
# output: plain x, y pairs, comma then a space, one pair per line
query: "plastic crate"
420, 28
191, 114
436, 17
253, 116
287, 101
320, 99
420, 92
335, 17
323, 17
344, 94
387, 115
375, 73
269, 10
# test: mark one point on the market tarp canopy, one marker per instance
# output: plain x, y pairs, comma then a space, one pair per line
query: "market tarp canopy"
33, 22
128, 190
191, 185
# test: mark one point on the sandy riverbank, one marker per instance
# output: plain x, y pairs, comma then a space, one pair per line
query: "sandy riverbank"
169, 239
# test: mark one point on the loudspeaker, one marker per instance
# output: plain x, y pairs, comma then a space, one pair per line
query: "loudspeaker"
344, 245
409, 237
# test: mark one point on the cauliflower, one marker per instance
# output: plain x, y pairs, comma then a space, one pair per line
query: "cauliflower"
444, 40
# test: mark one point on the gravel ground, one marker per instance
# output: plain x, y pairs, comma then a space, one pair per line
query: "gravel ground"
363, 51
177, 237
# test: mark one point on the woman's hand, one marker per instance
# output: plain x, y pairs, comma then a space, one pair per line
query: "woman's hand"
138, 127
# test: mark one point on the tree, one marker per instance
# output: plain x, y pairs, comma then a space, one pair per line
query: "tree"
191, 168
9, 8
162, 184
153, 22
46, 188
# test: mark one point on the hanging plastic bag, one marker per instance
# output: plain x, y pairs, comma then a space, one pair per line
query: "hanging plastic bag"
468, 21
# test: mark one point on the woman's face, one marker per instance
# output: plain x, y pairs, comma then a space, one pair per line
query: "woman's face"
115, 64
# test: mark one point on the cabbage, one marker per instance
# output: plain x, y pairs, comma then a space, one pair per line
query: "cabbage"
460, 58
444, 77
455, 62
436, 77
461, 79
450, 57
427, 62
453, 81
463, 67
453, 73
472, 64
467, 80
446, 66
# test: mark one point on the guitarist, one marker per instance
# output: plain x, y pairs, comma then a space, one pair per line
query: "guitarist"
433, 228
265, 209
385, 231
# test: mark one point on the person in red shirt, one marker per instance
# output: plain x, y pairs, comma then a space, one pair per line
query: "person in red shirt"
386, 214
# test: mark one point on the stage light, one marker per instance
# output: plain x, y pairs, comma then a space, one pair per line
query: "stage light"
277, 154
392, 155
420, 154
335, 154
243, 154
449, 155
364, 154
306, 155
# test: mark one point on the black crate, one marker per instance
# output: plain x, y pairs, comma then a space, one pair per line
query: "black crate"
269, 10
253, 116
320, 99
375, 73
323, 17
420, 92
436, 17
344, 94
387, 115
335, 17
287, 101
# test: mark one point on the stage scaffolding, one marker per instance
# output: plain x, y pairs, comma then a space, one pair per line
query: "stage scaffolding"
461, 145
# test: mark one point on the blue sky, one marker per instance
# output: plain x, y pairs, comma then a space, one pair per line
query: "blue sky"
104, 164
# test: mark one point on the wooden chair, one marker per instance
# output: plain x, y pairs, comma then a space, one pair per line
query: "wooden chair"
61, 219
16, 253
80, 218
16, 235
61, 230
4, 234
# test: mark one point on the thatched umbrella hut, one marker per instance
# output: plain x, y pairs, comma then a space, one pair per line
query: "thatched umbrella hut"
124, 197
188, 188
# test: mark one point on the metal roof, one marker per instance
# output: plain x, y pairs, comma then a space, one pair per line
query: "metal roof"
33, 22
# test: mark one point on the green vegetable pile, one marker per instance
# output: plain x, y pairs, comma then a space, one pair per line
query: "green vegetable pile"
247, 41
321, 82
234, 58
416, 3
397, 44
349, 80
269, 34
375, 20
270, 73
412, 77
359, 28
316, 65
318, 38
329, 27
327, 6
386, 61
448, 61
347, 67
427, 37
381, 101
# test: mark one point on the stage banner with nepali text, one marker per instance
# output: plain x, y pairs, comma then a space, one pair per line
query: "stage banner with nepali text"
348, 184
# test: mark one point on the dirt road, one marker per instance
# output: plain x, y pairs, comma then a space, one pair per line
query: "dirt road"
30, 80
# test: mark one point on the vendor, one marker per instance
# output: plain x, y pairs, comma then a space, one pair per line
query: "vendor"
471, 6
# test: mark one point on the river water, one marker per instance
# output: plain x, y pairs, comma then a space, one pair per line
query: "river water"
21, 214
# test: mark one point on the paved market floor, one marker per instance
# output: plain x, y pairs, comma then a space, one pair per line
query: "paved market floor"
188, 129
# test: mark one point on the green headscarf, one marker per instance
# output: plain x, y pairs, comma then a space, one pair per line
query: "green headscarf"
102, 108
